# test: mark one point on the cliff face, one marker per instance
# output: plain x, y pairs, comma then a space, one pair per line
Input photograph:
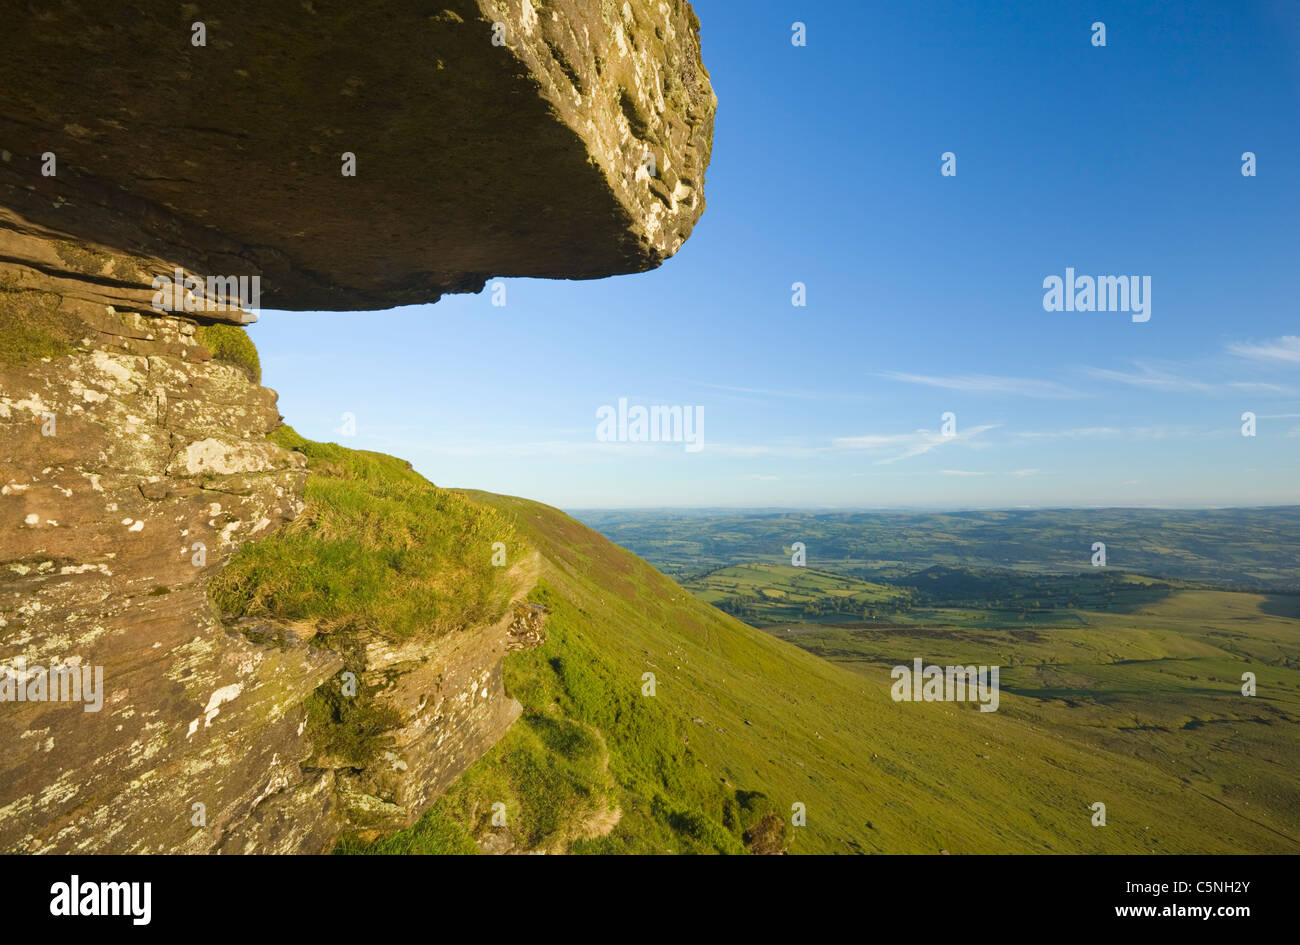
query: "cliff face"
135, 456
133, 465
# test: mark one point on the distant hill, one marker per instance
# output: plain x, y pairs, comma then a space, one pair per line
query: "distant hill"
1256, 548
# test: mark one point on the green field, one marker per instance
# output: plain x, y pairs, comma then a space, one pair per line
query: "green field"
1162, 686
770, 593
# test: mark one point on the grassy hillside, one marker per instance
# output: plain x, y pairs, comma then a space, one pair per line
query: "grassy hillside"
744, 725
1162, 686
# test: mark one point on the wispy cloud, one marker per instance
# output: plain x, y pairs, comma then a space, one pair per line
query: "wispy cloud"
989, 384
1017, 473
755, 450
1284, 350
1259, 387
502, 450
773, 392
1152, 378
1134, 433
910, 444
1074, 433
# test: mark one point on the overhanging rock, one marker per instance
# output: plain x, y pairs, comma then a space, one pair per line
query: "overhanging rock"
562, 139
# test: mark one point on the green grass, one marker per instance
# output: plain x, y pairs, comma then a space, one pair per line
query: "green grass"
551, 775
231, 343
348, 731
1162, 686
378, 549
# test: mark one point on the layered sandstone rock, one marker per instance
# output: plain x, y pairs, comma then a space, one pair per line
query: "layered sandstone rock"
132, 465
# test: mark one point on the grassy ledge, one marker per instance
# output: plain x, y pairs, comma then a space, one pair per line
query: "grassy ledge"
377, 549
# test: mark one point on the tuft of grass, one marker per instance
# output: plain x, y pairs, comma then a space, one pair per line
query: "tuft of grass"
433, 834
231, 343
378, 549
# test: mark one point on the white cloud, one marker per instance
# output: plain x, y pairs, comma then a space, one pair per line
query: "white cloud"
1259, 387
1075, 433
772, 392
1133, 433
911, 444
988, 384
1149, 377
1285, 349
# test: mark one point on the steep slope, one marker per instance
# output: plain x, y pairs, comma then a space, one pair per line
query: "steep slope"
737, 713
399, 581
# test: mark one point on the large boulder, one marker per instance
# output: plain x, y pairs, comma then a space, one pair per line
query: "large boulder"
563, 139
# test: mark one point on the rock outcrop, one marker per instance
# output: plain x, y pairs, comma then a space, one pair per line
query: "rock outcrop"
134, 449
133, 464
565, 138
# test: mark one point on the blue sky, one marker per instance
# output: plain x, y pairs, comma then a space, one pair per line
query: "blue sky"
924, 292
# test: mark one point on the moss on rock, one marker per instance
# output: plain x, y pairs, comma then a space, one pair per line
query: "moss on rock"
31, 325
